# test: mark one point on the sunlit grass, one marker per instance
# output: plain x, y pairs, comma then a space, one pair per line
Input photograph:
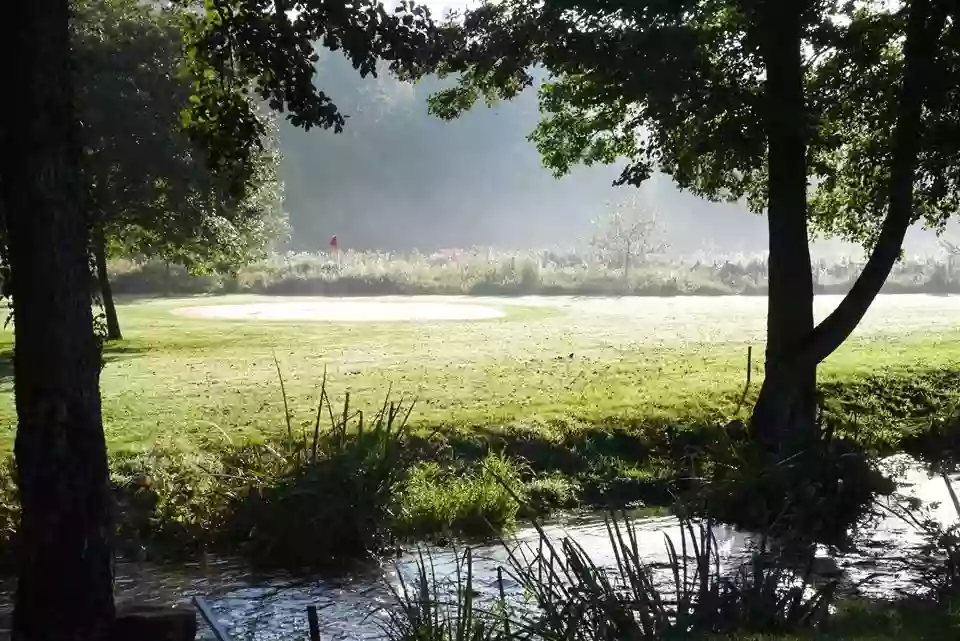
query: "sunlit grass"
550, 367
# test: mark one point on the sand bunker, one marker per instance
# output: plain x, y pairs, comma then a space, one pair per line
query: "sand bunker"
335, 310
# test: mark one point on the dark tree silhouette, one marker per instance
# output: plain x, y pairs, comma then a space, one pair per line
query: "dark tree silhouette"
745, 99
65, 587
734, 99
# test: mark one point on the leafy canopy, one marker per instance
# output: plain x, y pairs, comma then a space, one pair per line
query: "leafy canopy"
674, 85
678, 85
271, 45
151, 189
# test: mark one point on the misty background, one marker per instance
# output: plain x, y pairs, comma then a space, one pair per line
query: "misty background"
399, 179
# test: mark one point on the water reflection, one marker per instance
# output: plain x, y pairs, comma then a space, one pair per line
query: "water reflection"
272, 607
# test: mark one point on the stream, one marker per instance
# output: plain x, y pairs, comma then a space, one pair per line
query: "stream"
258, 607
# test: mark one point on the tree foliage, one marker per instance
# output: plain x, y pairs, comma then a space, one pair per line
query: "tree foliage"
271, 45
827, 114
679, 86
150, 187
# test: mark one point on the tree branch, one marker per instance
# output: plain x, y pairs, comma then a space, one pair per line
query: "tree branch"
923, 33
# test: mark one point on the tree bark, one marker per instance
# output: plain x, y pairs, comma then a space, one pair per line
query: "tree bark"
792, 369
106, 291
923, 34
786, 406
65, 587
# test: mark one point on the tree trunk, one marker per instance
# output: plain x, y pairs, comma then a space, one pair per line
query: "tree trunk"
626, 266
65, 587
923, 35
785, 407
106, 291
792, 370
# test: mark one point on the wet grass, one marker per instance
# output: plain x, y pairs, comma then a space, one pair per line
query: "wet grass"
543, 371
586, 402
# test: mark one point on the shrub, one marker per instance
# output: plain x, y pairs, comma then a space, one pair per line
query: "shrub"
468, 502
487, 272
171, 502
815, 496
332, 498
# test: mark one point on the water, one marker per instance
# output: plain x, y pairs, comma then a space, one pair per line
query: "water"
256, 607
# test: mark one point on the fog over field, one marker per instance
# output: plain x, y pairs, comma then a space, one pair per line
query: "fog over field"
475, 181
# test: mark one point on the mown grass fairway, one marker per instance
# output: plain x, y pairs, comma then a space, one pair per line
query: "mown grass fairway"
179, 380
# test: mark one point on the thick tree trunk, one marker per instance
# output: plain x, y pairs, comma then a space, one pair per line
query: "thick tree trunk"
924, 29
65, 588
106, 292
786, 406
783, 396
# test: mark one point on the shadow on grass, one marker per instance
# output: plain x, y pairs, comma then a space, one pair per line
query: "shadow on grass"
911, 619
6, 366
112, 352
626, 463
118, 351
615, 466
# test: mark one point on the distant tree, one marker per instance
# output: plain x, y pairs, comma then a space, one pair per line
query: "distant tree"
150, 188
629, 233
65, 552
746, 99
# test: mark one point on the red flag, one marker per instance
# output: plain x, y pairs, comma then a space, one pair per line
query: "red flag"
333, 241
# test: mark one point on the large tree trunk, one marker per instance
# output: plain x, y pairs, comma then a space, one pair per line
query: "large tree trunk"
65, 588
786, 395
924, 29
786, 406
106, 291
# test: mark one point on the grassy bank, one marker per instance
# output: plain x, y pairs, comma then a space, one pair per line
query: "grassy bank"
492, 273
547, 369
579, 402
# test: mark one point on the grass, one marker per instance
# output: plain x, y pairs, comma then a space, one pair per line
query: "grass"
544, 370
583, 401
468, 502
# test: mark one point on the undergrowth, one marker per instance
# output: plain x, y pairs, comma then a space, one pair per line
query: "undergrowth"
554, 589
343, 485
558, 591
489, 273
